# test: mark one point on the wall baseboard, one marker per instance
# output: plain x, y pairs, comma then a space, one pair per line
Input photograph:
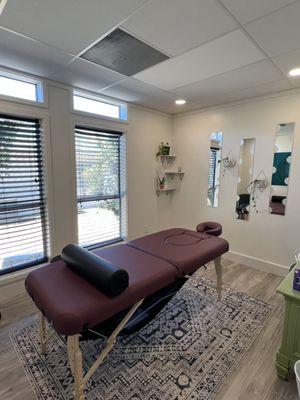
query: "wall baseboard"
12, 285
257, 263
12, 289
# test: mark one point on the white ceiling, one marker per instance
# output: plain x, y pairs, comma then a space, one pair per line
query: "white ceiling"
175, 26
277, 32
246, 11
251, 75
231, 51
71, 25
220, 50
87, 75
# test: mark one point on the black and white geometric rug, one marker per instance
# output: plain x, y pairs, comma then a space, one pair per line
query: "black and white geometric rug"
184, 354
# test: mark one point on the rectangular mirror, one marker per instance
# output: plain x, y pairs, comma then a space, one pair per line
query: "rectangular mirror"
215, 155
245, 173
281, 167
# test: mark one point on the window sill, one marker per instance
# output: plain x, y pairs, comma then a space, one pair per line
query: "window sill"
104, 244
20, 275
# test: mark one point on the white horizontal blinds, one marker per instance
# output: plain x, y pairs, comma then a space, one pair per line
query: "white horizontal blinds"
213, 177
23, 222
123, 221
98, 186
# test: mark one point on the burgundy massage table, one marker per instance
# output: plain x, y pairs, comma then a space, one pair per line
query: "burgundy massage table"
157, 266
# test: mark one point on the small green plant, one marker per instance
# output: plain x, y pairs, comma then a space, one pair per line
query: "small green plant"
163, 150
161, 181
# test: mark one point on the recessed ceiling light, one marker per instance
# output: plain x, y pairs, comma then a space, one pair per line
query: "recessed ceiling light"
294, 72
180, 102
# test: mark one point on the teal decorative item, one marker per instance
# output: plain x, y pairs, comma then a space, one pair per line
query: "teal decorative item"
281, 168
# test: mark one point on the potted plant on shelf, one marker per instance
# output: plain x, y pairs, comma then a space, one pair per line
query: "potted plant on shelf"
163, 150
161, 182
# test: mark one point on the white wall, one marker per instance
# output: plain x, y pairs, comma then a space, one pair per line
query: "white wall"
268, 238
146, 211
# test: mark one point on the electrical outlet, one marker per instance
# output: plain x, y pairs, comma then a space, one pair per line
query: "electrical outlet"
146, 228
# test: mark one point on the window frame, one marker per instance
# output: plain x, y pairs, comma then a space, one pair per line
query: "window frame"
41, 92
123, 108
118, 130
26, 111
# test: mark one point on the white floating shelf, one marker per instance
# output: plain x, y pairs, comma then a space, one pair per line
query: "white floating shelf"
165, 190
167, 157
174, 173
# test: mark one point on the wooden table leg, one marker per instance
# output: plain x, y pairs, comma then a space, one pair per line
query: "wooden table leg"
75, 358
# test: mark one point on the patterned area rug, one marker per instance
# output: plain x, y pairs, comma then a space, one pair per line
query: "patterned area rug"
185, 353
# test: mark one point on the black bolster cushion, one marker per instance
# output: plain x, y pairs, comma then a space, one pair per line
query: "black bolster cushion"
105, 276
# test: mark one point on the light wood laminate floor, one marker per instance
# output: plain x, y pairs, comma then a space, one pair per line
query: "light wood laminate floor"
254, 378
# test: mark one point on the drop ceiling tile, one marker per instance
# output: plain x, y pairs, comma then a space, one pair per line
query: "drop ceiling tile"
136, 92
289, 61
239, 79
278, 32
175, 26
68, 24
260, 90
231, 51
246, 11
30, 56
85, 75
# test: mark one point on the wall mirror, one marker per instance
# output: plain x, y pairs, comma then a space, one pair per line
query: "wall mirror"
281, 167
215, 155
245, 173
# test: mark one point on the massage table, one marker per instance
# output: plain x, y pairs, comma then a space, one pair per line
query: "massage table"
148, 271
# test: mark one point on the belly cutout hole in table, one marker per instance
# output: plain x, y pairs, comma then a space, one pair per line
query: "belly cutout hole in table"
182, 240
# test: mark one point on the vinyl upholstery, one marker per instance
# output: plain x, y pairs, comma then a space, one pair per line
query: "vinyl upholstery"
210, 228
72, 304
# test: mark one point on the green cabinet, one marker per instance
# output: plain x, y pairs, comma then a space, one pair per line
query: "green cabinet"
289, 351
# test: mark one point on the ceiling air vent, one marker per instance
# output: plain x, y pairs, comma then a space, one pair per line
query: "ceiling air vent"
123, 53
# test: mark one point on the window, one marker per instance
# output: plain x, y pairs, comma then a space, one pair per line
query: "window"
214, 173
94, 105
214, 169
14, 85
100, 166
23, 227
